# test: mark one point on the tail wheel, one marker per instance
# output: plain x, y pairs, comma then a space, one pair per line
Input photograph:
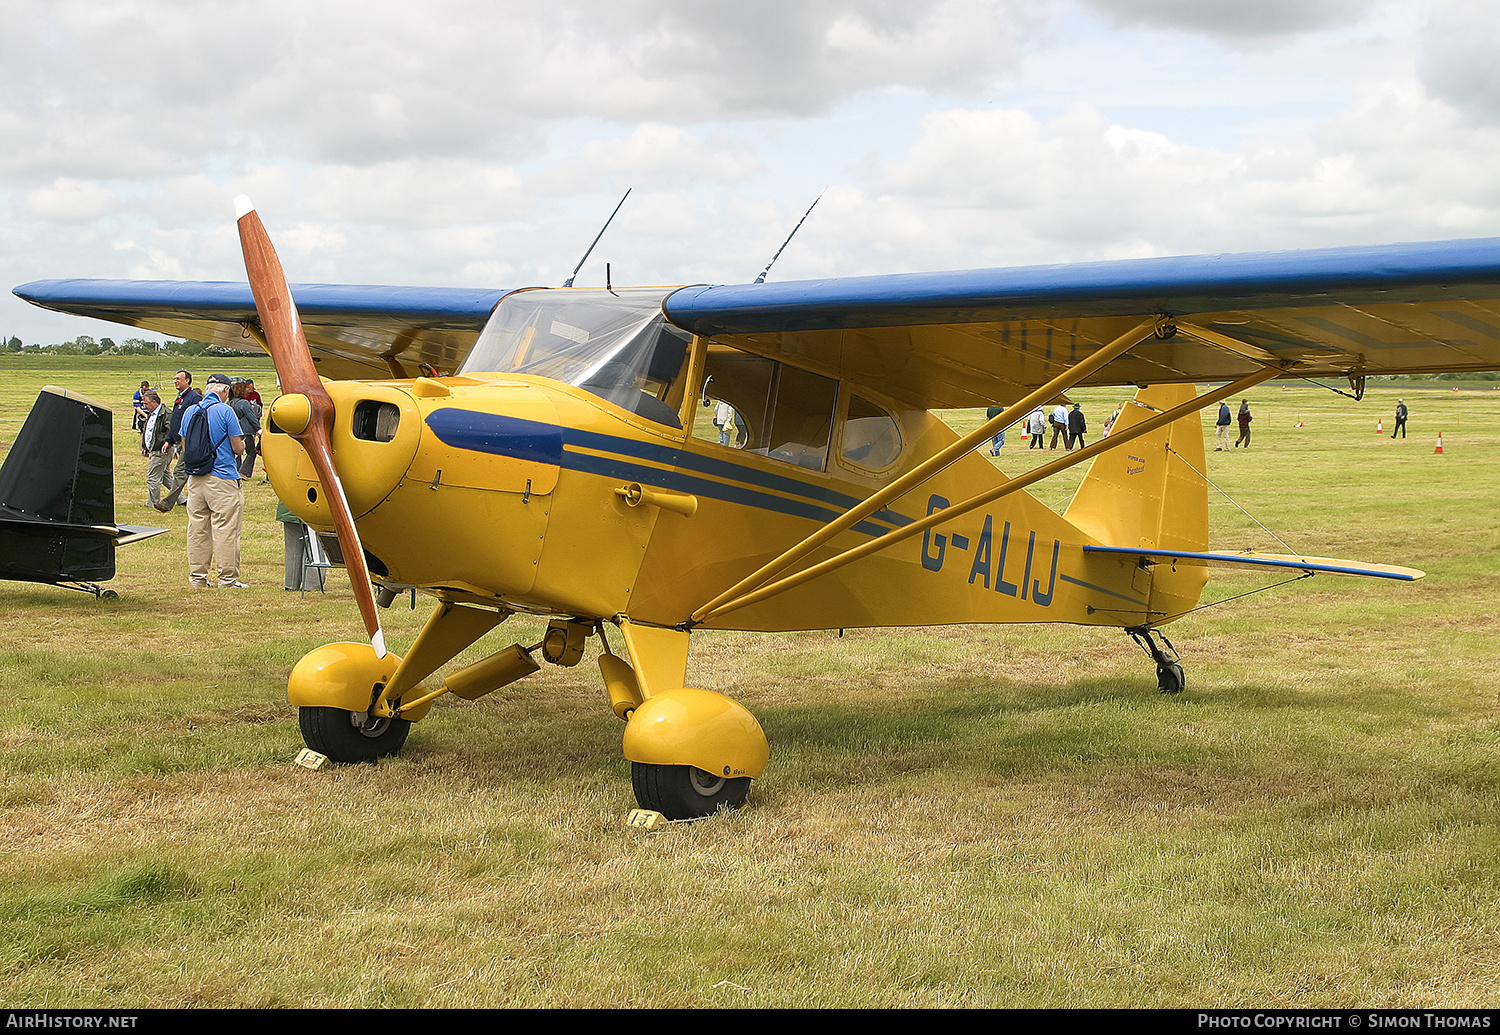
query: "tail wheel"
684, 791
1169, 679
348, 737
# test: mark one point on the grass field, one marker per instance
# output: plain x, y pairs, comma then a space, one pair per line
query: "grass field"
1007, 816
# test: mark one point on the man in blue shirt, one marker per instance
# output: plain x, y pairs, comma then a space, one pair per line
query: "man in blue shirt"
216, 503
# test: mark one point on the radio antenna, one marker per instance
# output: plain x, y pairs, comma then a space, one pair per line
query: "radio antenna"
611, 219
762, 278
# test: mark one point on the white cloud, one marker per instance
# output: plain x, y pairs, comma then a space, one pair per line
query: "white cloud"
414, 192
1236, 20
67, 200
652, 155
483, 143
1459, 43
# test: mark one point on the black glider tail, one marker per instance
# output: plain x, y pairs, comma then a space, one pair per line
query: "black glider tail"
57, 497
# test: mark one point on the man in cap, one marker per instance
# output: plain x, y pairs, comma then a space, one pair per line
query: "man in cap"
216, 502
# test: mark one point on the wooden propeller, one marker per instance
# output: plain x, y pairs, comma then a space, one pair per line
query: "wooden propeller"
298, 376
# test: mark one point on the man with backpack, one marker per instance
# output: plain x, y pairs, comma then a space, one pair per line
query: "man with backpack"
211, 440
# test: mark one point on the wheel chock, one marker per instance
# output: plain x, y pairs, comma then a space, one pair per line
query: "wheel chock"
307, 758
646, 819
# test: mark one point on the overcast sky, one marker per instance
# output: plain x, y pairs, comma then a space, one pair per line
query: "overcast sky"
468, 143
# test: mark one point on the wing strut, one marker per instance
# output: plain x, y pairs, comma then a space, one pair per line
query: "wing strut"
933, 465
938, 517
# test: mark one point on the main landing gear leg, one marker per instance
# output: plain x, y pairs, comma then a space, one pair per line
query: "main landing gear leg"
692, 752
1169, 675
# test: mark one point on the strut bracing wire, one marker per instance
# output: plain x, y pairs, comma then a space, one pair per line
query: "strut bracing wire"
1221, 492
1237, 596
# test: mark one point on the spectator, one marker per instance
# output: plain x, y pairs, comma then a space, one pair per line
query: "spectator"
139, 420
1060, 426
997, 440
216, 503
153, 441
187, 397
249, 414
1077, 425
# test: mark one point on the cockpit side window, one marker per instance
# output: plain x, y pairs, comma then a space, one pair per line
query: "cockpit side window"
761, 406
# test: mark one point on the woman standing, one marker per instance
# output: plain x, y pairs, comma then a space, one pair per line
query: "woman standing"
1245, 420
249, 415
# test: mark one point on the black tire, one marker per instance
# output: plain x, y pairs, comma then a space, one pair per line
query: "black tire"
1170, 679
331, 731
685, 792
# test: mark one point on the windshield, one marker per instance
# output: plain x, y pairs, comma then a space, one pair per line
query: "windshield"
613, 344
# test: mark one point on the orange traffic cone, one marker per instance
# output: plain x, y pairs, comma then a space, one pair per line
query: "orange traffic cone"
1380, 427
1439, 449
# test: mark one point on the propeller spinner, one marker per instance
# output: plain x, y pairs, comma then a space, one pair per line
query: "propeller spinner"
304, 410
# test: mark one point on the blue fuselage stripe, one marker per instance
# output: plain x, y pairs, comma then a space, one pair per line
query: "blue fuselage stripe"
681, 469
670, 456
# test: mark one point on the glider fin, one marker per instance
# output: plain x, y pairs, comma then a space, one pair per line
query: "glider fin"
57, 497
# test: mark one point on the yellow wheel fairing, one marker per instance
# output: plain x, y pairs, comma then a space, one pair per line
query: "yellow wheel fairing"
697, 728
345, 676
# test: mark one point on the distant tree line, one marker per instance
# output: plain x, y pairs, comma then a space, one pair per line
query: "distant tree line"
86, 345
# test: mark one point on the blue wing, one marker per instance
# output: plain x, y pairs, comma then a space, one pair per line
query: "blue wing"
964, 338
354, 331
975, 337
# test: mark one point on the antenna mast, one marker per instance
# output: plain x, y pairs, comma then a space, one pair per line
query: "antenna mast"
611, 219
762, 278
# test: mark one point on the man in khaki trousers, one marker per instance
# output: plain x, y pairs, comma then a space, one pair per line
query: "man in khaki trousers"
216, 503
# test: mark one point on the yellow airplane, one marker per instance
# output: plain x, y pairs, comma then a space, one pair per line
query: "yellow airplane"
637, 464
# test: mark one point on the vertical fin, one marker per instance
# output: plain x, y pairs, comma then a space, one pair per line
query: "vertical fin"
1149, 493
61, 465
58, 476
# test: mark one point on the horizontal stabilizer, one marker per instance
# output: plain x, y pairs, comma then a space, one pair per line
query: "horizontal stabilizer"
1271, 560
135, 533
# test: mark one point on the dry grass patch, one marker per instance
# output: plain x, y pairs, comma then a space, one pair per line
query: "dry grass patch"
952, 817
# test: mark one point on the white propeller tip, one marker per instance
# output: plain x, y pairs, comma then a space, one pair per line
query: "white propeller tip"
243, 206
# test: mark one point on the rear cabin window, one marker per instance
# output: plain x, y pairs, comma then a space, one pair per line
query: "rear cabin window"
872, 438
